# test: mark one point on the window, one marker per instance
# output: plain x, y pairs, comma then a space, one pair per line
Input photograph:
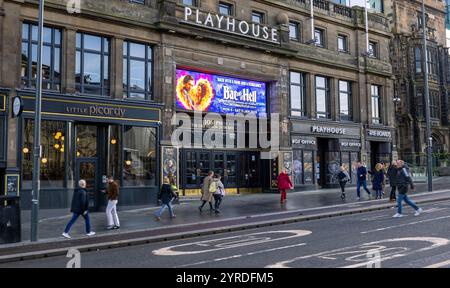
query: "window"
432, 65
51, 57
92, 64
373, 50
435, 105
322, 97
3, 140
342, 43
53, 154
376, 103
138, 1
257, 17
298, 93
139, 156
137, 71
190, 2
418, 59
225, 9
294, 31
319, 36
345, 100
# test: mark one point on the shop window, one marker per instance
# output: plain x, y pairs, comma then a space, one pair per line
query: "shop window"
345, 100
298, 94
137, 71
92, 64
139, 156
113, 156
87, 136
308, 167
51, 57
322, 97
53, 154
376, 103
298, 167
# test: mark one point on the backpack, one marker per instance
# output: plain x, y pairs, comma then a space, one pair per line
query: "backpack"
213, 187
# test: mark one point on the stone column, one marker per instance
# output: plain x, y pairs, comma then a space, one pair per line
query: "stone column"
117, 68
69, 60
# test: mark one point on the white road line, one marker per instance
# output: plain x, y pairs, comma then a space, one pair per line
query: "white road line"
403, 225
240, 255
439, 265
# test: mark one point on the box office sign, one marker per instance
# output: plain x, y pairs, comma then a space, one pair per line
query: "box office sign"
204, 92
93, 111
230, 25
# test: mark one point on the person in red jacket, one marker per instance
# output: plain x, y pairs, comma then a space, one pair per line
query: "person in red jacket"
284, 183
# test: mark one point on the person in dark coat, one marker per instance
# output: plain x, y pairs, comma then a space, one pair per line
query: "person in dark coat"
166, 195
79, 207
404, 181
343, 177
378, 179
361, 180
392, 175
284, 183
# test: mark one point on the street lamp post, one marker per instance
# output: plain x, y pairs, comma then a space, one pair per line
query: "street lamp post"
37, 132
427, 101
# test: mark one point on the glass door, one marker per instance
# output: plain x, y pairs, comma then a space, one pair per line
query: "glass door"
230, 175
204, 166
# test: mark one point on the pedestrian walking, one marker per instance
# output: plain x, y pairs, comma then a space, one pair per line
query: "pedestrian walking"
111, 209
343, 177
392, 175
404, 181
378, 179
208, 189
219, 194
284, 183
79, 207
362, 180
166, 196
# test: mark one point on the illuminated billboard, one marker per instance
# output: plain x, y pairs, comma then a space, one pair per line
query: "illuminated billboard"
198, 91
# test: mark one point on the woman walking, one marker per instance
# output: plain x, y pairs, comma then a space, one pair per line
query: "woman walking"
343, 177
219, 194
284, 183
378, 180
208, 189
166, 195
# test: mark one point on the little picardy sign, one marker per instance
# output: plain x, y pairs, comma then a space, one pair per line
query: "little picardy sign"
231, 25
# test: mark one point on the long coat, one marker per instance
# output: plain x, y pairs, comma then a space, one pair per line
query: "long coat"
206, 195
80, 202
284, 182
378, 179
392, 174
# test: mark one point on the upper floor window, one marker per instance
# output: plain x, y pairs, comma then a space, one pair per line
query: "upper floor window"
342, 43
294, 31
376, 103
323, 97
432, 63
298, 94
137, 71
190, 2
345, 100
418, 59
51, 57
92, 64
319, 36
373, 49
138, 1
225, 9
257, 17
435, 106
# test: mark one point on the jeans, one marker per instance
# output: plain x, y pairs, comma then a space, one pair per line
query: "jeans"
379, 193
163, 207
74, 219
358, 187
393, 190
203, 204
111, 213
217, 201
404, 197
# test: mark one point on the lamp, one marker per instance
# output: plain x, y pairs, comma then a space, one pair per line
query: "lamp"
25, 150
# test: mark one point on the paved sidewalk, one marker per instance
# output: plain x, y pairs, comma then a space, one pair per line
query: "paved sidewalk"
52, 222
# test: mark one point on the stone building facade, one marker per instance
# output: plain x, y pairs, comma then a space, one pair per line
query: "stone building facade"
407, 54
114, 76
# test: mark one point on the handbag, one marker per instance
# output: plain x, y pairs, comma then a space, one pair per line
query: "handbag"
213, 187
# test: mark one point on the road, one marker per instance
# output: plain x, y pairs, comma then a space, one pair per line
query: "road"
345, 241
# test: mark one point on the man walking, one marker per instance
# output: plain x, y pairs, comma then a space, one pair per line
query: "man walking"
403, 180
207, 192
392, 175
111, 210
79, 207
362, 180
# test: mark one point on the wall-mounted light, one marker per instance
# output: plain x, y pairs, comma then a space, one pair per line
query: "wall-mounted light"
25, 150
128, 162
113, 141
62, 150
56, 146
44, 160
78, 154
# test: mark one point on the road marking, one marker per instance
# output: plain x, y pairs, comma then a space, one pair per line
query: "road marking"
403, 225
439, 265
240, 255
230, 242
367, 247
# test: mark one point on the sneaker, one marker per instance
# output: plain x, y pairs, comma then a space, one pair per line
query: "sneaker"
92, 233
116, 227
397, 215
173, 216
343, 196
200, 209
157, 218
217, 211
110, 227
66, 235
358, 198
418, 212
